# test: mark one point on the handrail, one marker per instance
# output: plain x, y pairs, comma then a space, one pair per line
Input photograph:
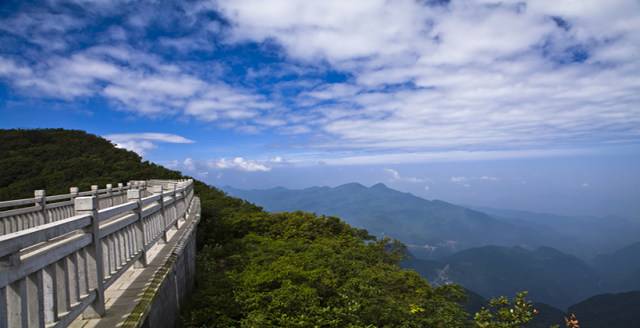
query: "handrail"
53, 272
21, 214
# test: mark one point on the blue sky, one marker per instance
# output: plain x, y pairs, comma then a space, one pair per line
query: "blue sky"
513, 104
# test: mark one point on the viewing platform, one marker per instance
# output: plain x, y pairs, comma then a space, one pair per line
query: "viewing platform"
110, 257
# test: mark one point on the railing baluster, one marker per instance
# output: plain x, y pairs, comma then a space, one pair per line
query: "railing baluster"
135, 195
95, 270
61, 287
50, 308
34, 300
72, 279
81, 264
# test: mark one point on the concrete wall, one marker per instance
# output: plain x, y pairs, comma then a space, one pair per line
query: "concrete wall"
176, 287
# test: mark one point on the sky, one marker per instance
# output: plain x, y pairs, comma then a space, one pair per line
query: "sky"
530, 105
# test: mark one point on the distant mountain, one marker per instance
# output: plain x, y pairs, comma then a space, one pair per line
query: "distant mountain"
431, 228
621, 268
609, 311
547, 316
583, 236
549, 275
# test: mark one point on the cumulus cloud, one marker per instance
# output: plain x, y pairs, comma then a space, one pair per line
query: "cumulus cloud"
239, 163
143, 142
395, 176
560, 73
189, 164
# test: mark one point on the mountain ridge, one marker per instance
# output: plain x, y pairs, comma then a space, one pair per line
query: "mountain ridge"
441, 226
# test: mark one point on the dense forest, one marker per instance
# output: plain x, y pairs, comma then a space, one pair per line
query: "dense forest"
257, 269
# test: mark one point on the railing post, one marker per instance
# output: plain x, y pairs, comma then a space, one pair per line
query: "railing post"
74, 192
95, 265
175, 204
157, 189
41, 200
110, 194
94, 191
136, 195
122, 194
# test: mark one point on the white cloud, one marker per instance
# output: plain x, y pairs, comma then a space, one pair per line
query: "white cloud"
239, 163
469, 82
137, 82
189, 164
395, 175
458, 179
466, 181
585, 185
143, 142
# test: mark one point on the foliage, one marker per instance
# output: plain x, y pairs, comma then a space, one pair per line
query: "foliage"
301, 270
56, 159
505, 313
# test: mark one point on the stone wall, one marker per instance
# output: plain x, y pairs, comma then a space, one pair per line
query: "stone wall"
172, 284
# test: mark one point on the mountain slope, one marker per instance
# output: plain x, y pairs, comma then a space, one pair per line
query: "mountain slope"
621, 268
550, 276
582, 236
429, 227
609, 311
56, 159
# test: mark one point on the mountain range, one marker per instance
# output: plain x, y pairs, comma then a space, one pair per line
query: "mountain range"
435, 228
560, 260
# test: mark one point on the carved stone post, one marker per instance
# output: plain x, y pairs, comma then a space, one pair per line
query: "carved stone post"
175, 205
94, 191
74, 192
95, 266
136, 195
110, 194
121, 196
157, 190
41, 200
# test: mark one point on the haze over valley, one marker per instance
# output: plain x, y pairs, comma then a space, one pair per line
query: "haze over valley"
560, 260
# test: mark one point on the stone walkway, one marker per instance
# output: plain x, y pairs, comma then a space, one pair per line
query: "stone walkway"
123, 296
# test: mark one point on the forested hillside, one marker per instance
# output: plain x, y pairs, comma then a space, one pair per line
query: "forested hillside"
431, 228
255, 269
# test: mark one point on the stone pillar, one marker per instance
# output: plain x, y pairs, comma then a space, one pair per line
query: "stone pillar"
74, 192
94, 191
174, 187
135, 195
157, 190
95, 266
41, 200
110, 194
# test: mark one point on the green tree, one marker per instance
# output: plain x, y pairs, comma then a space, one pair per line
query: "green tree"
505, 313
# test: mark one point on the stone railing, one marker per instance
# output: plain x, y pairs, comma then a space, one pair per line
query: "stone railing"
20, 214
56, 269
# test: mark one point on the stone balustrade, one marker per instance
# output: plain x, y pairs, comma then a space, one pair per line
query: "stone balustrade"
26, 213
58, 258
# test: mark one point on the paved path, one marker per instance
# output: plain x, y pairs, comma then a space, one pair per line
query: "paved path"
122, 297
